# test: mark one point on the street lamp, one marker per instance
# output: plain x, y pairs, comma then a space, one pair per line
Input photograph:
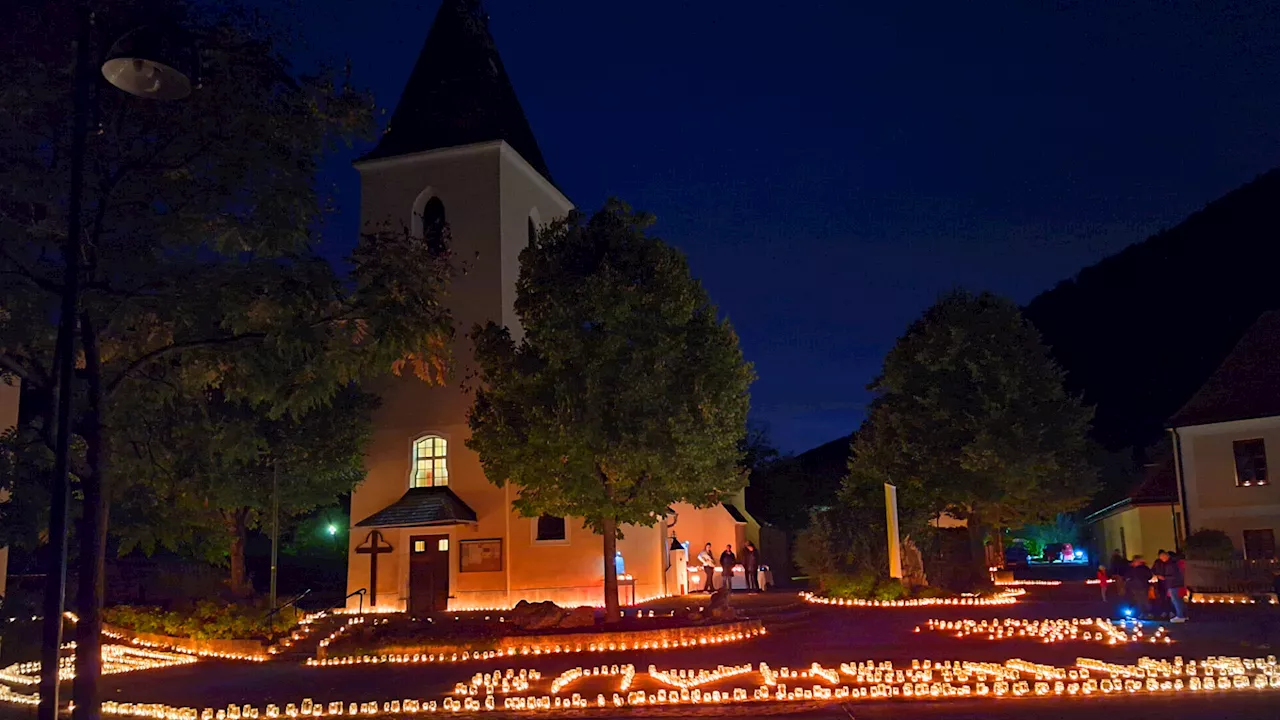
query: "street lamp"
146, 62
145, 66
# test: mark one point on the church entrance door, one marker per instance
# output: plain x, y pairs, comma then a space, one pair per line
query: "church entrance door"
428, 574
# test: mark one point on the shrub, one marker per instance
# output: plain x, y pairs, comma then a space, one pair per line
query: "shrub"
205, 620
815, 549
1206, 544
860, 586
890, 589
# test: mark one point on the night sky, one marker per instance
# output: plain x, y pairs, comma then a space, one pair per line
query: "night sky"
831, 167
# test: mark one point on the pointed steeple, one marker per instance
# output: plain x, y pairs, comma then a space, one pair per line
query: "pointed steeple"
459, 93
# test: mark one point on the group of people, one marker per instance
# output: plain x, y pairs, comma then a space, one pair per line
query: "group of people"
728, 560
1155, 591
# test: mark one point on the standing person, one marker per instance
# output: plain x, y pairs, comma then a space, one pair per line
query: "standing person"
727, 561
708, 568
751, 564
1118, 569
1103, 581
1160, 602
1137, 583
1175, 582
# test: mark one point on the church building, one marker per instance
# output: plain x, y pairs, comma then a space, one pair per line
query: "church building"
429, 532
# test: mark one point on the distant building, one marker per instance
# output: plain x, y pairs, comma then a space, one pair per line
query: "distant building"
429, 531
1223, 439
1145, 522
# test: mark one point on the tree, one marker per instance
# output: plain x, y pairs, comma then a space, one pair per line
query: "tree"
199, 269
970, 418
209, 469
757, 448
626, 394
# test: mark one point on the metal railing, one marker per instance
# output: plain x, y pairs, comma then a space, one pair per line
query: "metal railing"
361, 592
1243, 576
271, 616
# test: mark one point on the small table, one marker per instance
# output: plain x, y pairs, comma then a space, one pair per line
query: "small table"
627, 583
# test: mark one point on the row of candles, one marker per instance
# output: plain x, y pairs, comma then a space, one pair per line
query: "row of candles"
115, 659
1008, 596
1049, 630
461, 606
191, 650
922, 680
686, 638
361, 619
498, 682
1231, 600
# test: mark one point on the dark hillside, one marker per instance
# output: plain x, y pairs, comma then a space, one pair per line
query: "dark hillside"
1140, 331
782, 493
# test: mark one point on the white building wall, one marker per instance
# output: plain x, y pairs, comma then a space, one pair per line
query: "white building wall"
1211, 497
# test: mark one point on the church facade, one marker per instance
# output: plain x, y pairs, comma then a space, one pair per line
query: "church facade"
429, 532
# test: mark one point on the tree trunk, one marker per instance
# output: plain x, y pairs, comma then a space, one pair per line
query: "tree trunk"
609, 528
92, 536
237, 525
978, 573
999, 546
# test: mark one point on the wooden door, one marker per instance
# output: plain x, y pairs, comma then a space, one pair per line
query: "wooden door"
428, 574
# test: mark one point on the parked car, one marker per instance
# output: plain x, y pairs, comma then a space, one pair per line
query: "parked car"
1016, 555
1053, 552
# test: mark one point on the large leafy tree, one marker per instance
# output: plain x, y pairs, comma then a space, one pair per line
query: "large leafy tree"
626, 393
210, 467
199, 269
970, 418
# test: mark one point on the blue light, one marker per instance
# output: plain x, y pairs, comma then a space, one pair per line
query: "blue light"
1128, 612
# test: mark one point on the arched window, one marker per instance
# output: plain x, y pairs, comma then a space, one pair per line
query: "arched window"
429, 219
430, 462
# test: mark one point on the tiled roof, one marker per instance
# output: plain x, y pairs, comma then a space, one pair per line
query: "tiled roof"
422, 506
459, 93
1247, 383
734, 513
1159, 485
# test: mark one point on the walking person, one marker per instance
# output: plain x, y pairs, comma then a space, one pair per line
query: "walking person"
1103, 581
708, 568
727, 561
751, 564
1175, 582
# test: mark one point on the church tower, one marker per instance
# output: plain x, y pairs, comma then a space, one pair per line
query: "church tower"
429, 532
458, 150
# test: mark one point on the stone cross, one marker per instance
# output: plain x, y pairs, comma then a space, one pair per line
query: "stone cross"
373, 546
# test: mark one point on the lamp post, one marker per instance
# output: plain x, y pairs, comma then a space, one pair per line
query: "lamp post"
141, 64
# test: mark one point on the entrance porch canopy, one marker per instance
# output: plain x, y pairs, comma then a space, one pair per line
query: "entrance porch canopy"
422, 506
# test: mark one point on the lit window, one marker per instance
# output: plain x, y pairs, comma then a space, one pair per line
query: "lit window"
419, 546
442, 544
430, 466
551, 527
1251, 462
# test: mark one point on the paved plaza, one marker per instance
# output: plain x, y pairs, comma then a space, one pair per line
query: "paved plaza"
799, 635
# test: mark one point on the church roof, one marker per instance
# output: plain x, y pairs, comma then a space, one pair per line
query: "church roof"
1247, 383
422, 506
458, 93
734, 512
